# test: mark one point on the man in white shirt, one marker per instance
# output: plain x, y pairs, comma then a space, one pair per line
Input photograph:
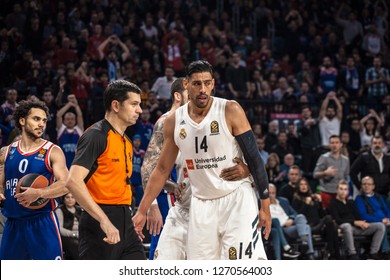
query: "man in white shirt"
162, 86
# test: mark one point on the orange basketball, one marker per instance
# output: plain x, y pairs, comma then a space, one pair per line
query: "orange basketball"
36, 181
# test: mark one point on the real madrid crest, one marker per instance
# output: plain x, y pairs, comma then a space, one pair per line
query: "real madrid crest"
214, 127
183, 133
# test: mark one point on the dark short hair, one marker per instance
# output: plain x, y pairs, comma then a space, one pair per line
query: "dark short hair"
380, 137
199, 66
177, 86
48, 89
118, 90
24, 109
334, 136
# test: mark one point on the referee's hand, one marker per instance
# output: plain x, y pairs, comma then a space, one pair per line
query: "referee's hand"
112, 233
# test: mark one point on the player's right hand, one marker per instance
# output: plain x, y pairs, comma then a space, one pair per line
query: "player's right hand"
154, 221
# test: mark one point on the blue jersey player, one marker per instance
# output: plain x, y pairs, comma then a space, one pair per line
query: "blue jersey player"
28, 233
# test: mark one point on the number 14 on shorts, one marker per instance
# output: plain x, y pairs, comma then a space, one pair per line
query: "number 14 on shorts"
247, 251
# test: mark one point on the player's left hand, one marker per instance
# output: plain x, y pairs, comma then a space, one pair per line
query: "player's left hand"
236, 172
265, 219
28, 196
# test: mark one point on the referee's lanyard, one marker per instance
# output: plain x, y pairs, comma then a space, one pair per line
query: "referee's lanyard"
127, 167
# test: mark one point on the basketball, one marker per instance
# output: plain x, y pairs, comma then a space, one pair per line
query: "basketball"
36, 181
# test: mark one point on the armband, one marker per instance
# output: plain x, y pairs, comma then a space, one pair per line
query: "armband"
247, 143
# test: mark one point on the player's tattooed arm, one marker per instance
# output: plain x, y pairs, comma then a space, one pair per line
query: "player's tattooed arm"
2, 172
152, 153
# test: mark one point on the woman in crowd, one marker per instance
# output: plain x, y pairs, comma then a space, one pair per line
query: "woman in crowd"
309, 204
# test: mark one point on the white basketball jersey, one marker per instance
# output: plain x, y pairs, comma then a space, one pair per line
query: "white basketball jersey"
182, 177
207, 148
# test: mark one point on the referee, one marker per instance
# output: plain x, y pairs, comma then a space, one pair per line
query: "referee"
99, 179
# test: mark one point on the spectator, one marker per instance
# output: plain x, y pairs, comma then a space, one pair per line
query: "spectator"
294, 225
288, 162
282, 147
96, 96
271, 137
151, 32
70, 126
375, 164
344, 213
162, 86
7, 110
346, 149
354, 133
173, 46
287, 191
156, 109
372, 208
144, 128
370, 126
66, 53
282, 90
380, 17
263, 153
350, 80
136, 180
272, 167
51, 124
113, 61
330, 118
309, 136
280, 242
352, 28
237, 78
372, 42
94, 42
81, 85
16, 19
309, 204
377, 81
293, 139
328, 77
330, 169
69, 214
304, 91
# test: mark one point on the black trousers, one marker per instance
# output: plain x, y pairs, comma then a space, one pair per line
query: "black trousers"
92, 246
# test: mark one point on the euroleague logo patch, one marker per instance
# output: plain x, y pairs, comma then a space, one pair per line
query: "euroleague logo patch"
214, 127
232, 253
155, 255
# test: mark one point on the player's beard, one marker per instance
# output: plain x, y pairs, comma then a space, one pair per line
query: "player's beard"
31, 135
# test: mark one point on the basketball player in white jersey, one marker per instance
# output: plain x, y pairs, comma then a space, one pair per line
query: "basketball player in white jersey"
210, 132
172, 242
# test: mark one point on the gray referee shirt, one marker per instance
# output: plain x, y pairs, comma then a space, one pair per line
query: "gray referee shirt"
329, 183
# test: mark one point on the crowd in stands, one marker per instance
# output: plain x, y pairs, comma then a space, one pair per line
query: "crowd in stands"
305, 71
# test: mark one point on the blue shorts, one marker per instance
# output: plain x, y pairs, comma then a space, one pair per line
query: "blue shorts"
32, 238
